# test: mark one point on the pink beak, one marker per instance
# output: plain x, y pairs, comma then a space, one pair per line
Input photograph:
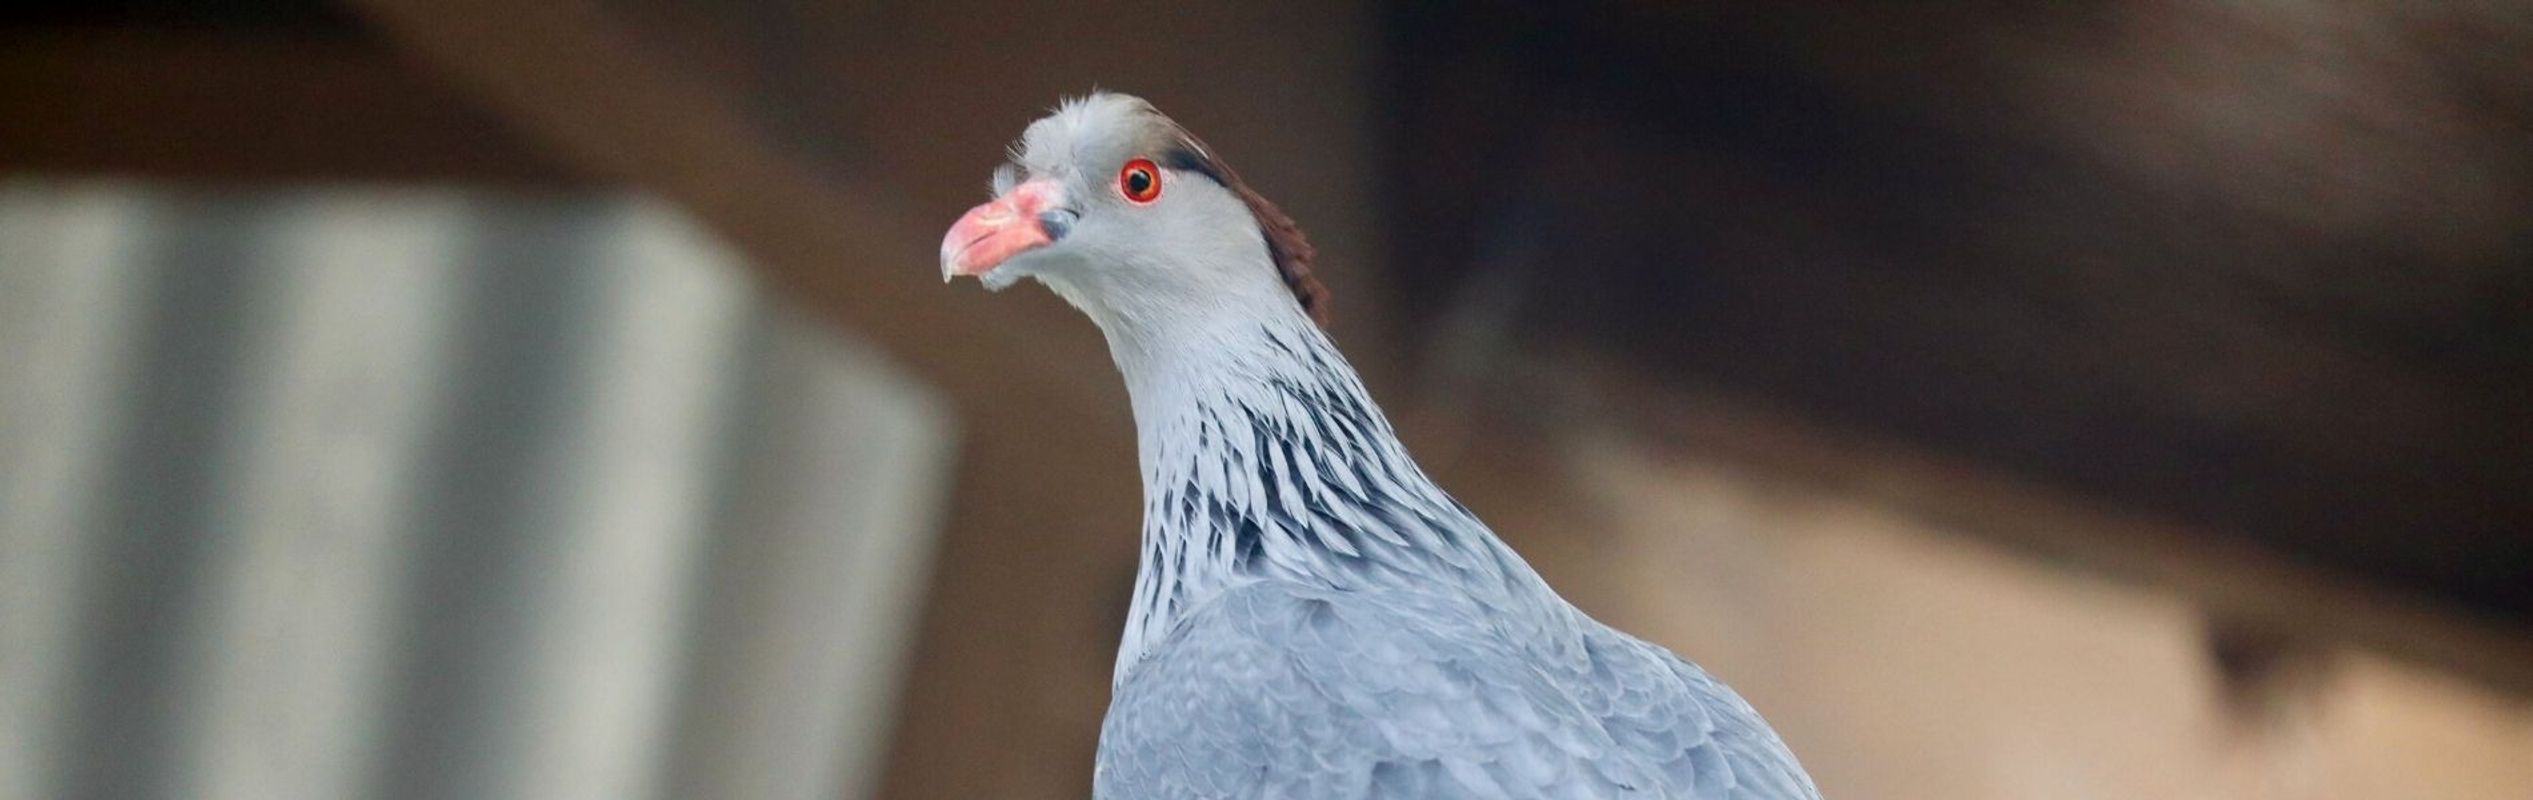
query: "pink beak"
992, 233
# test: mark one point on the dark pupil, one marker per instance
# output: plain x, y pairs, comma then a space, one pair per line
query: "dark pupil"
1138, 182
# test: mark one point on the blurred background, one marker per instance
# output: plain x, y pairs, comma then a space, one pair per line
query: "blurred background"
477, 399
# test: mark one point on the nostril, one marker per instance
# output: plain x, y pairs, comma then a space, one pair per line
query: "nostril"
1056, 223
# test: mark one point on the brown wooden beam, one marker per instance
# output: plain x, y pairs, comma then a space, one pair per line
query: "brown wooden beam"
1940, 262
230, 106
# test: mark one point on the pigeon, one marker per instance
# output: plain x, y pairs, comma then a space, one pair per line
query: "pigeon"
1312, 616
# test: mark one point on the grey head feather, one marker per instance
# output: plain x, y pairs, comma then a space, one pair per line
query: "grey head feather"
1107, 127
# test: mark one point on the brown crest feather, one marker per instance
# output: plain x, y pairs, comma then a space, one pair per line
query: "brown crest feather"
1291, 251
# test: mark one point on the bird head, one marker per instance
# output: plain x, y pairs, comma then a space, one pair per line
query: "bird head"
1131, 219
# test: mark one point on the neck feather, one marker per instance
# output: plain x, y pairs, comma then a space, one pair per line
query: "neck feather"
1264, 459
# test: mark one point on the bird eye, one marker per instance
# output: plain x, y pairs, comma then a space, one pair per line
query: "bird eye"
1139, 181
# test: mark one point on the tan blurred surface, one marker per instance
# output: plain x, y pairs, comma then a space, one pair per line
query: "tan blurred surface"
1904, 660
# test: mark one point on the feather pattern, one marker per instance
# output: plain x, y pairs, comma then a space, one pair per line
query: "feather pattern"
1336, 626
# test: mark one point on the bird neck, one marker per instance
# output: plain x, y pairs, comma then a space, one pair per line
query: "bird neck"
1263, 458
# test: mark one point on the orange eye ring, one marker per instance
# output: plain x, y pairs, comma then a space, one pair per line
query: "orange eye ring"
1139, 181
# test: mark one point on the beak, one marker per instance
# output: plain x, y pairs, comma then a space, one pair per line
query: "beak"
1030, 216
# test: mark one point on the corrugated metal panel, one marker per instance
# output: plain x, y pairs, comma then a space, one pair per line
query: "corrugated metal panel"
70, 282
300, 606
335, 493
